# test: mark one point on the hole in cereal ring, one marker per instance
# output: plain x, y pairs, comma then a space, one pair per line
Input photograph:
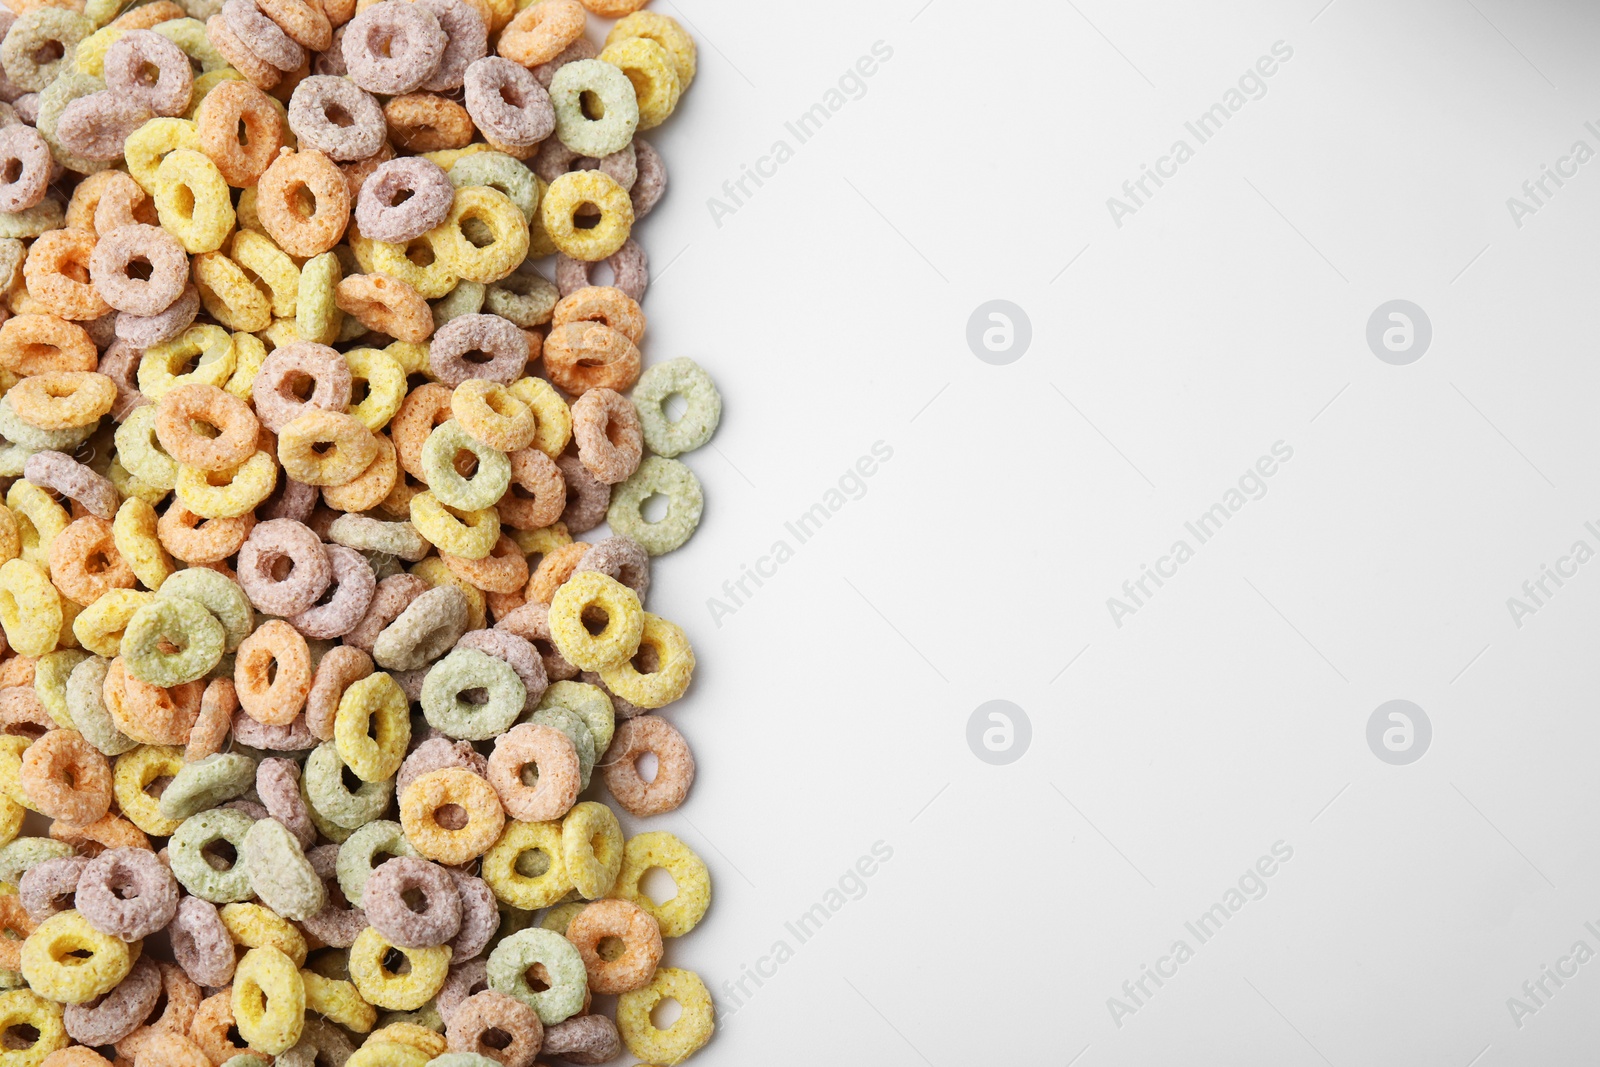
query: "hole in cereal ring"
451, 816
338, 116
654, 507
48, 52
609, 947
529, 775
593, 109
586, 220
658, 884
595, 620
160, 1006
538, 978
302, 200
158, 786
235, 1038
12, 172
280, 568
532, 863
21, 1036
416, 900
647, 766
479, 695
495, 1038
664, 1014
139, 268
646, 660
476, 356
674, 406
322, 448
220, 854
477, 231
299, 384
348, 779
396, 962
242, 135
183, 200
125, 892
420, 252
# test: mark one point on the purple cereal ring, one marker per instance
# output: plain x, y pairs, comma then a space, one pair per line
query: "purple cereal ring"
499, 339
332, 61
587, 497
337, 118
145, 331
201, 944
389, 913
393, 47
297, 364
59, 471
256, 811
23, 153
583, 1039
95, 126
116, 252
138, 51
127, 893
290, 500
110, 1018
531, 622
338, 924
621, 558
42, 887
582, 48
480, 916
402, 199
120, 363
652, 180
410, 683
555, 159
262, 36
353, 586
294, 737
278, 786
467, 39
465, 978
516, 651
508, 103
436, 754
283, 540
630, 270
389, 599
27, 107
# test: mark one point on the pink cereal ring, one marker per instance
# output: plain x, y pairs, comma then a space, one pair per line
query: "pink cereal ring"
610, 438
114, 255
23, 153
337, 118
262, 36
508, 103
59, 471
278, 786
138, 51
145, 331
393, 47
630, 271
95, 126
311, 571
353, 587
495, 337
201, 943
402, 199
297, 364
674, 766
338, 669
466, 40
554, 757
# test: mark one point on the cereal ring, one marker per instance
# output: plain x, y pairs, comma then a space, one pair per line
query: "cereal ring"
423, 122
311, 571
169, 1048
384, 900
499, 171
226, 43
148, 331
37, 344
206, 783
503, 865
67, 778
127, 893
467, 39
193, 202
641, 945
583, 1039
586, 504
85, 564
504, 570
569, 195
148, 713
657, 848
133, 773
607, 429
326, 448
40, 45
590, 704
106, 961
272, 672
339, 922
687, 1035
23, 153
674, 762
489, 210
630, 271
555, 762
269, 999
508, 103
469, 534
430, 624
373, 727
664, 31
60, 472
21, 1010
501, 1030
338, 119
567, 981
373, 535
337, 671
524, 296
541, 32
30, 608
392, 48
122, 1010
222, 597
48, 888
654, 76
201, 943
261, 36
185, 626
206, 405
538, 492
682, 377
279, 871
128, 63
278, 786
468, 670
385, 304
421, 806
229, 493
160, 253
339, 1001
195, 870
450, 354
531, 622
591, 843
195, 540
490, 414
279, 192
440, 468
580, 356
227, 108
303, 21
365, 850
579, 604
56, 273
580, 48
293, 367
671, 479
353, 586
383, 987
331, 799
437, 753
618, 105
317, 317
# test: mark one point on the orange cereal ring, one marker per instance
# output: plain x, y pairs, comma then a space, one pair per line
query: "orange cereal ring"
36, 344
85, 563
56, 273
503, 570
62, 399
23, 714
421, 804
209, 1030
225, 109
538, 493
554, 570
108, 831
147, 713
67, 778
184, 407
15, 926
150, 15
386, 305
256, 70
217, 705
423, 122
369, 488
303, 20
279, 193
424, 408
542, 31
601, 303
580, 356
193, 539
114, 190
273, 698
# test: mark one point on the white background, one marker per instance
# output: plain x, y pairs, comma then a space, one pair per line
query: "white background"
829, 711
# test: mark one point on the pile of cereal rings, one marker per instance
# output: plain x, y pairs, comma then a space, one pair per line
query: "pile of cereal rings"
307, 670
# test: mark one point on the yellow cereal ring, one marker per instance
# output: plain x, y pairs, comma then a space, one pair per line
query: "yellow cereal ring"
11, 814
419, 808
131, 774
193, 201
317, 318
248, 217
23, 1007
147, 146
12, 747
50, 683
412, 357
338, 1001
552, 413
249, 354
53, 970
595, 593
134, 533
688, 1033
386, 385
372, 727
269, 1000
504, 222
228, 294
272, 267
387, 1054
540, 542
10, 535
99, 626
591, 848
469, 534
229, 493
664, 31
436, 572
254, 926
39, 520
674, 670
158, 367
657, 848
577, 189
131, 486
430, 1043
504, 865
90, 55
654, 76
539, 243
382, 987
30, 608
418, 263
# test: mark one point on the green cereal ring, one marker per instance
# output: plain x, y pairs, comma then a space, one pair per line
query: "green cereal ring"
13, 458
682, 377
568, 981
190, 35
219, 595
279, 872
359, 855
25, 853
325, 789
85, 700
205, 783
427, 1017
50, 676
70, 86
463, 670
487, 484
14, 429
524, 296
577, 730
47, 214
316, 317
684, 504
465, 299
141, 453
185, 625
499, 171
333, 832
589, 703
560, 917
33, 33
610, 133
193, 869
